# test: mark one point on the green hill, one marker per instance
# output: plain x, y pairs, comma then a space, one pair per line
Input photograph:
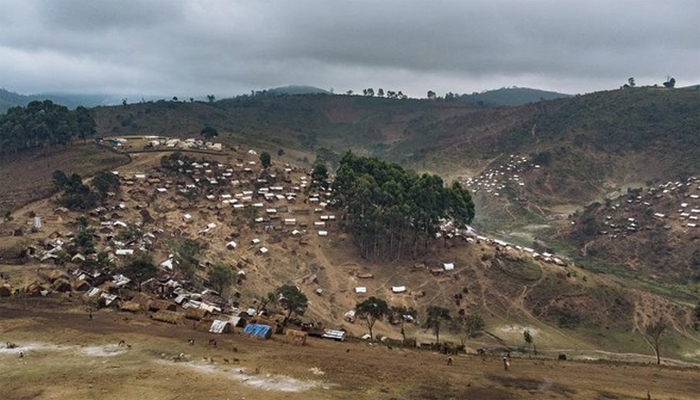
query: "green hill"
513, 96
585, 147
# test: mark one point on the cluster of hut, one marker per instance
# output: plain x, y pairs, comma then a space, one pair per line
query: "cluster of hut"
496, 179
160, 142
680, 201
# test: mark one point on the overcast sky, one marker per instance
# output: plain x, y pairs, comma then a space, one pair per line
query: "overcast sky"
227, 47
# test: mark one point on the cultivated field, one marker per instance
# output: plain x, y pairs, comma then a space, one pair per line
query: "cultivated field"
27, 177
68, 355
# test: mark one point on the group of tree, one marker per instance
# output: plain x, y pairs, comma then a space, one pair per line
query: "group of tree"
186, 257
375, 309
208, 132
390, 211
82, 240
140, 268
389, 94
176, 161
220, 278
670, 82
43, 123
79, 196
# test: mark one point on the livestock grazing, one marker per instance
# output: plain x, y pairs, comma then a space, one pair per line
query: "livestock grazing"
122, 343
212, 342
235, 349
236, 361
562, 357
226, 361
21, 354
450, 360
190, 342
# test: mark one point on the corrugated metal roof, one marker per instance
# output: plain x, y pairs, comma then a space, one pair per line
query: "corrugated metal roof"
334, 334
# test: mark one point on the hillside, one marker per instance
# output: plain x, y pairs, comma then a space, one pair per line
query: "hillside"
590, 139
529, 167
513, 96
269, 231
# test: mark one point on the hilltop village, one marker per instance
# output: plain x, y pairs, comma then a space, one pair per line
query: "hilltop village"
249, 217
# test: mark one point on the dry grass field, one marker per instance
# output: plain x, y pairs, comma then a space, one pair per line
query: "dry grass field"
67, 355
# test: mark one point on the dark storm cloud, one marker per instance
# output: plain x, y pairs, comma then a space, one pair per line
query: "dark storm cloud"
226, 47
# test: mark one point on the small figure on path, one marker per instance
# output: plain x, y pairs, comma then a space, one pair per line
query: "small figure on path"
506, 364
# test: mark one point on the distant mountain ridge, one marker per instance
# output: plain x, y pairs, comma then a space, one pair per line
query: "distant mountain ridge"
513, 96
292, 90
11, 99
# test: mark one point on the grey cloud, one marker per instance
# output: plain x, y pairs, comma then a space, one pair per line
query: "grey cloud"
228, 47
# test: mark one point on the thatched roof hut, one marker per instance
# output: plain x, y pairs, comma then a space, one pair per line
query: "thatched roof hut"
81, 286
142, 299
161, 305
196, 313
131, 307
62, 285
53, 274
170, 317
34, 289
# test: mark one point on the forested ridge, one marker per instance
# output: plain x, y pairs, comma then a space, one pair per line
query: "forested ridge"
391, 212
43, 123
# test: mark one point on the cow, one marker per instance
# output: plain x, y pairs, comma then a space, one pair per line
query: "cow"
562, 357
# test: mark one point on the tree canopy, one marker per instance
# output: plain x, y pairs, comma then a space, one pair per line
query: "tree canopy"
390, 211
208, 132
43, 123
220, 278
105, 182
140, 268
77, 195
292, 299
372, 310
435, 316
265, 159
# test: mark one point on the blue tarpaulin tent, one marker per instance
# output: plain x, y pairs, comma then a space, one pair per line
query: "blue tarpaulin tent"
258, 330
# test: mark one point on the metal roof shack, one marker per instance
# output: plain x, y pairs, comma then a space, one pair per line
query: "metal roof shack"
334, 334
219, 326
258, 331
398, 289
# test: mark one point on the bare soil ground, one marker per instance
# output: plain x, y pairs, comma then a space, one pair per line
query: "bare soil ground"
27, 177
67, 355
